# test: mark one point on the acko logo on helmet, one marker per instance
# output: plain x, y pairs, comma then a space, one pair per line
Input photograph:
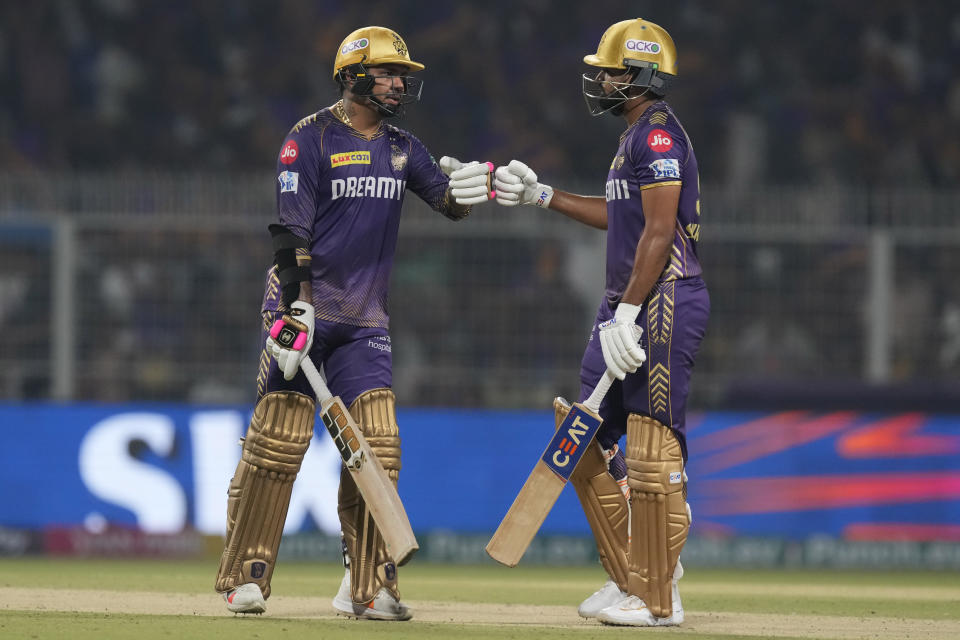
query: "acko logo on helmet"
353, 45
642, 46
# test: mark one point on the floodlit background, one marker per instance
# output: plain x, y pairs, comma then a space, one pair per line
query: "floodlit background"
138, 143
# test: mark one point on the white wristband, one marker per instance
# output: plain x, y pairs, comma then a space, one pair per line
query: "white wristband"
544, 196
627, 312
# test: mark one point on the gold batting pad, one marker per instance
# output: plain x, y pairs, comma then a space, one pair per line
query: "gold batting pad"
370, 566
660, 520
603, 504
259, 493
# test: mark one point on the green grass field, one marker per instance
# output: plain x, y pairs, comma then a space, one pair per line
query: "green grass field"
52, 598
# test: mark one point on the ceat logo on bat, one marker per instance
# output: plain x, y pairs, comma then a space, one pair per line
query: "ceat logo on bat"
289, 152
659, 140
350, 157
570, 441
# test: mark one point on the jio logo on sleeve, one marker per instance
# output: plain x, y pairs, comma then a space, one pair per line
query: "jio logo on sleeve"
289, 152
659, 140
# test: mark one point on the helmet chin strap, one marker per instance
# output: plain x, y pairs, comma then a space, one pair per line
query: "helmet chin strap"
363, 88
383, 109
365, 96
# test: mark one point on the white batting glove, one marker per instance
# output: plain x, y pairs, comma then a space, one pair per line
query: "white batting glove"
516, 184
470, 183
619, 339
291, 337
448, 164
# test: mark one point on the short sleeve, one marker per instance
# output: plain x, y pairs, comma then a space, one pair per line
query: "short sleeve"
658, 155
425, 177
297, 181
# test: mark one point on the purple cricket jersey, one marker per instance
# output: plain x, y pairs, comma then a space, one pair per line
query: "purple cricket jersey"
343, 194
654, 151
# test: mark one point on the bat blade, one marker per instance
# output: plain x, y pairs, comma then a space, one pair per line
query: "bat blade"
543, 486
372, 480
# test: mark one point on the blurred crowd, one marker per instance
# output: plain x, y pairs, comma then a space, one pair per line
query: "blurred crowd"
864, 91
170, 312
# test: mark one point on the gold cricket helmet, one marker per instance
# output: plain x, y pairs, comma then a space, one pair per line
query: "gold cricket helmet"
639, 46
639, 40
372, 46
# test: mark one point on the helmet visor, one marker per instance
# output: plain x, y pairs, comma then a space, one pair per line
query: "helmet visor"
405, 91
389, 91
603, 94
390, 96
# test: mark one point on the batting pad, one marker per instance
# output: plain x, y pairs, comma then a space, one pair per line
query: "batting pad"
660, 520
371, 568
603, 504
259, 493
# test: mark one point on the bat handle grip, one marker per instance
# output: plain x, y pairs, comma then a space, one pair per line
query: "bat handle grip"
593, 402
315, 379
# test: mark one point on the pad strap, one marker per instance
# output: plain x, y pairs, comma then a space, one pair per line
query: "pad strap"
371, 568
660, 520
603, 503
259, 493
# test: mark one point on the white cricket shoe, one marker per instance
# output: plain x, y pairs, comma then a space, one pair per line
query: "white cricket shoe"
246, 598
383, 607
629, 612
632, 611
602, 598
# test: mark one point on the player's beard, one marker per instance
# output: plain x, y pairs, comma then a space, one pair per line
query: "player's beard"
411, 93
600, 101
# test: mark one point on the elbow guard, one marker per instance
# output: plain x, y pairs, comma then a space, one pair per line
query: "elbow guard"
289, 273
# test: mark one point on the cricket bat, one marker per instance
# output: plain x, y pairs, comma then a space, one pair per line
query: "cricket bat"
549, 476
371, 478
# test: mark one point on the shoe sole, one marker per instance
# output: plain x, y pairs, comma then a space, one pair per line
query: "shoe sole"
658, 622
256, 609
250, 607
619, 623
350, 611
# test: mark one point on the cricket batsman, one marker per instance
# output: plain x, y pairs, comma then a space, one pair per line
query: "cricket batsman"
648, 327
342, 175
